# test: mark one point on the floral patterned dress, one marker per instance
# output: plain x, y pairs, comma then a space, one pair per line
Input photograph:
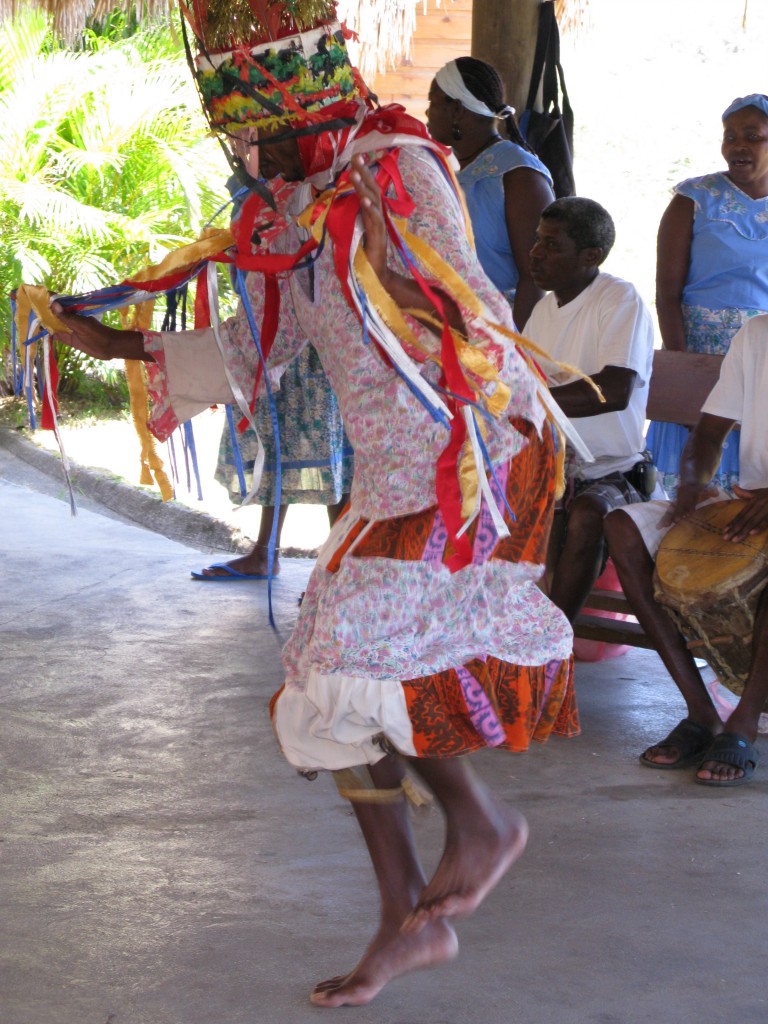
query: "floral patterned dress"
389, 641
727, 284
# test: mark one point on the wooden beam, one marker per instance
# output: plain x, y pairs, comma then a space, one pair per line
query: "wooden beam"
442, 34
504, 34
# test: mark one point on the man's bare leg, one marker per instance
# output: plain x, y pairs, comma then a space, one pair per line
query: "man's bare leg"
388, 835
745, 716
635, 570
256, 562
484, 837
579, 563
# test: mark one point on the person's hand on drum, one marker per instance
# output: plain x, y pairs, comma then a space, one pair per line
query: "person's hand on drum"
687, 498
698, 463
752, 518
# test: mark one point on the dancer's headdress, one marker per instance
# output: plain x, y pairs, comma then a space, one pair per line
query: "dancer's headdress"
272, 64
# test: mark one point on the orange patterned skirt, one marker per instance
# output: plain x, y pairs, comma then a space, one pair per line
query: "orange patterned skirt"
480, 700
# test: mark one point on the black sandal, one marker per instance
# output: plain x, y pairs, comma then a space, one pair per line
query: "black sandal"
689, 739
734, 749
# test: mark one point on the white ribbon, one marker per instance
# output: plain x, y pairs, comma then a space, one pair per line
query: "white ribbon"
212, 281
49, 390
389, 341
565, 425
484, 486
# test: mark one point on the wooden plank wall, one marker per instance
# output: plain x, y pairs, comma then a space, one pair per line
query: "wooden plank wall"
442, 34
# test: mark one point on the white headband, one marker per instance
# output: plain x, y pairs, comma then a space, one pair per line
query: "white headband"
449, 79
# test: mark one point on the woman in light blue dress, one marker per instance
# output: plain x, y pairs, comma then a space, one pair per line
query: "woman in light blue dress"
505, 185
712, 265
316, 458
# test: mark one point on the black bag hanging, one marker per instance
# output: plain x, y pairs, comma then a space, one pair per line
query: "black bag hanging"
549, 132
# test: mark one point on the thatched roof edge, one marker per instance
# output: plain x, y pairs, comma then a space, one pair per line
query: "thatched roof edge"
385, 27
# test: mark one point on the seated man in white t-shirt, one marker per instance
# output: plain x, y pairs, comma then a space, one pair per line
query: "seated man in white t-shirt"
724, 753
599, 325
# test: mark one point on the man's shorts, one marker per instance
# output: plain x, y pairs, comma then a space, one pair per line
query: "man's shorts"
614, 489
647, 518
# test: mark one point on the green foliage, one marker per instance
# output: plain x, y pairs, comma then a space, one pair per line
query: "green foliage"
106, 162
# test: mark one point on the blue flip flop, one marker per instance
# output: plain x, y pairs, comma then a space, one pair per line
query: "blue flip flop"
232, 575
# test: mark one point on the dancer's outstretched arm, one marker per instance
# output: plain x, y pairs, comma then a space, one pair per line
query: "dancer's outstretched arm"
94, 338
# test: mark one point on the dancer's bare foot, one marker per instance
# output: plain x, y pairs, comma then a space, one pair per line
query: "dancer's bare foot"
255, 563
474, 861
391, 953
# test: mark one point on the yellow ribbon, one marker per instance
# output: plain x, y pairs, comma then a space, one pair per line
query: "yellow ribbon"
36, 299
211, 242
468, 470
152, 468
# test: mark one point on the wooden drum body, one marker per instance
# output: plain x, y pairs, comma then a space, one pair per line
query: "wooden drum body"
711, 586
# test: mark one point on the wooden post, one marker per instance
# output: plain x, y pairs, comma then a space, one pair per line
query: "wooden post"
504, 34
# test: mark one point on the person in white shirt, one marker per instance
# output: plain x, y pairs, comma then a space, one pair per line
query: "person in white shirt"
599, 325
722, 752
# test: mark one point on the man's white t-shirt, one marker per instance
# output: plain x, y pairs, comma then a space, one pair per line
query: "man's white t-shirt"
607, 324
741, 394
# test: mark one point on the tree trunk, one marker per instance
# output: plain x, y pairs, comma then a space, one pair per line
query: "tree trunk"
504, 34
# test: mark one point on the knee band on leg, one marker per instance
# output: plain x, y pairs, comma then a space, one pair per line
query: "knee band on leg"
356, 785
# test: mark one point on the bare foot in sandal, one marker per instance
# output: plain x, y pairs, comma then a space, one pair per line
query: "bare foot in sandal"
682, 748
254, 565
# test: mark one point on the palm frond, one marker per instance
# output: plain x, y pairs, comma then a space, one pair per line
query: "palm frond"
32, 264
44, 205
68, 17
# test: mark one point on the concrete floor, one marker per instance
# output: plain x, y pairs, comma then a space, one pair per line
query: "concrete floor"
161, 864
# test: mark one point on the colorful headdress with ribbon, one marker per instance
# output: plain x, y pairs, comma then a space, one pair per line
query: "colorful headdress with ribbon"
272, 64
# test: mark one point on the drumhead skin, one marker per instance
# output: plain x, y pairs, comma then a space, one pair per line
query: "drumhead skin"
695, 560
710, 586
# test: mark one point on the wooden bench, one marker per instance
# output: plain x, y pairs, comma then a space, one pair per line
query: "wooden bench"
679, 385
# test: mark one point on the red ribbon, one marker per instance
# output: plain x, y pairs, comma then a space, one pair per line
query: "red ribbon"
269, 324
50, 405
339, 224
452, 379
202, 299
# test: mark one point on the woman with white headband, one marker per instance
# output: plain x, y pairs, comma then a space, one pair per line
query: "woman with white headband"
506, 186
712, 265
